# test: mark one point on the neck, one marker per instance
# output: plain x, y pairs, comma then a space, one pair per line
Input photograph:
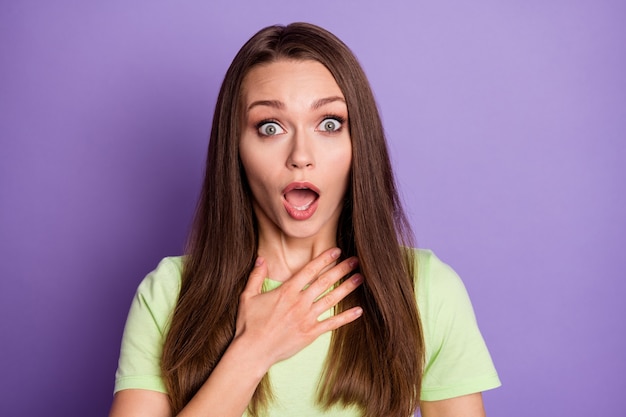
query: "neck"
286, 255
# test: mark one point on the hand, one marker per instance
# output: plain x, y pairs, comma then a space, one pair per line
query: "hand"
279, 323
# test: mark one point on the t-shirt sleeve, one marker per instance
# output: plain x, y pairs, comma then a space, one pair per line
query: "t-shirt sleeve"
457, 360
139, 365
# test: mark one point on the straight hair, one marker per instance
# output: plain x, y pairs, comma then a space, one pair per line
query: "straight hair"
375, 363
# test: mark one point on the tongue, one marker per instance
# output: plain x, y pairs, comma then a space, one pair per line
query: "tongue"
300, 198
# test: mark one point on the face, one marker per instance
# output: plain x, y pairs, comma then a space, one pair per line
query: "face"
295, 147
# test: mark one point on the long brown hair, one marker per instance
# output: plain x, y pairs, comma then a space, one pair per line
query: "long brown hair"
375, 362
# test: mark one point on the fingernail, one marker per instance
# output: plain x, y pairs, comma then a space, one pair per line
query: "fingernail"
335, 253
358, 311
353, 262
357, 278
259, 261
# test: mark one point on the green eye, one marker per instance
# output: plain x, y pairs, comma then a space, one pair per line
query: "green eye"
270, 129
330, 125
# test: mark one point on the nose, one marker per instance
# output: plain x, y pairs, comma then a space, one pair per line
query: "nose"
300, 154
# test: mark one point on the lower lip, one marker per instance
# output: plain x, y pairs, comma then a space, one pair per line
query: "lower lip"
296, 214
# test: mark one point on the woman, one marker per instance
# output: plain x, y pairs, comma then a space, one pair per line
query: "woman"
299, 188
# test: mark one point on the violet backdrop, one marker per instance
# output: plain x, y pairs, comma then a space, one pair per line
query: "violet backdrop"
506, 121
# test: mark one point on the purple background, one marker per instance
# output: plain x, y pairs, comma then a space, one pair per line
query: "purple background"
506, 121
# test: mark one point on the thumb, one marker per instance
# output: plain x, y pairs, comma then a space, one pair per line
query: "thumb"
256, 278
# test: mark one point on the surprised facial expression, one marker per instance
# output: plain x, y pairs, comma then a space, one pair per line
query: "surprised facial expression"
295, 147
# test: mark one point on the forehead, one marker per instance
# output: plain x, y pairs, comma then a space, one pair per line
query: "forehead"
287, 79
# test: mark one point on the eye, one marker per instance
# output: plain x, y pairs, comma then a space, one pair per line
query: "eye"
269, 129
330, 124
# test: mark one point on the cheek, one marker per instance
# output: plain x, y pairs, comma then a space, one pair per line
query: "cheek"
257, 170
342, 162
257, 162
249, 162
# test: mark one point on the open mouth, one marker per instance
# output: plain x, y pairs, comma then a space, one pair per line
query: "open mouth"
300, 196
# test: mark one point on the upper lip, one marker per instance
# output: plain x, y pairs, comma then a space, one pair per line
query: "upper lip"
297, 185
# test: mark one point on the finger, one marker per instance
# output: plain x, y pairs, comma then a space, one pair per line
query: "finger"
331, 299
339, 320
254, 285
330, 277
312, 270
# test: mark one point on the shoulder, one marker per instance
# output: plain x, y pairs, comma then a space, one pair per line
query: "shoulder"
165, 277
147, 323
157, 293
457, 359
440, 292
435, 280
444, 305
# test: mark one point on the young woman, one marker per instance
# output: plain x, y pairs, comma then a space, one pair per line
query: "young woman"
300, 294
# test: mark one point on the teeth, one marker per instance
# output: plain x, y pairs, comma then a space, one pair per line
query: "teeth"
302, 208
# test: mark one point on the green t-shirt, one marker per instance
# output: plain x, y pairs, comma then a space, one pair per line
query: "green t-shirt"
457, 360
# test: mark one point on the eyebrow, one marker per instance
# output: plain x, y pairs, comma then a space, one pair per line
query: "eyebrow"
277, 104
324, 101
270, 103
